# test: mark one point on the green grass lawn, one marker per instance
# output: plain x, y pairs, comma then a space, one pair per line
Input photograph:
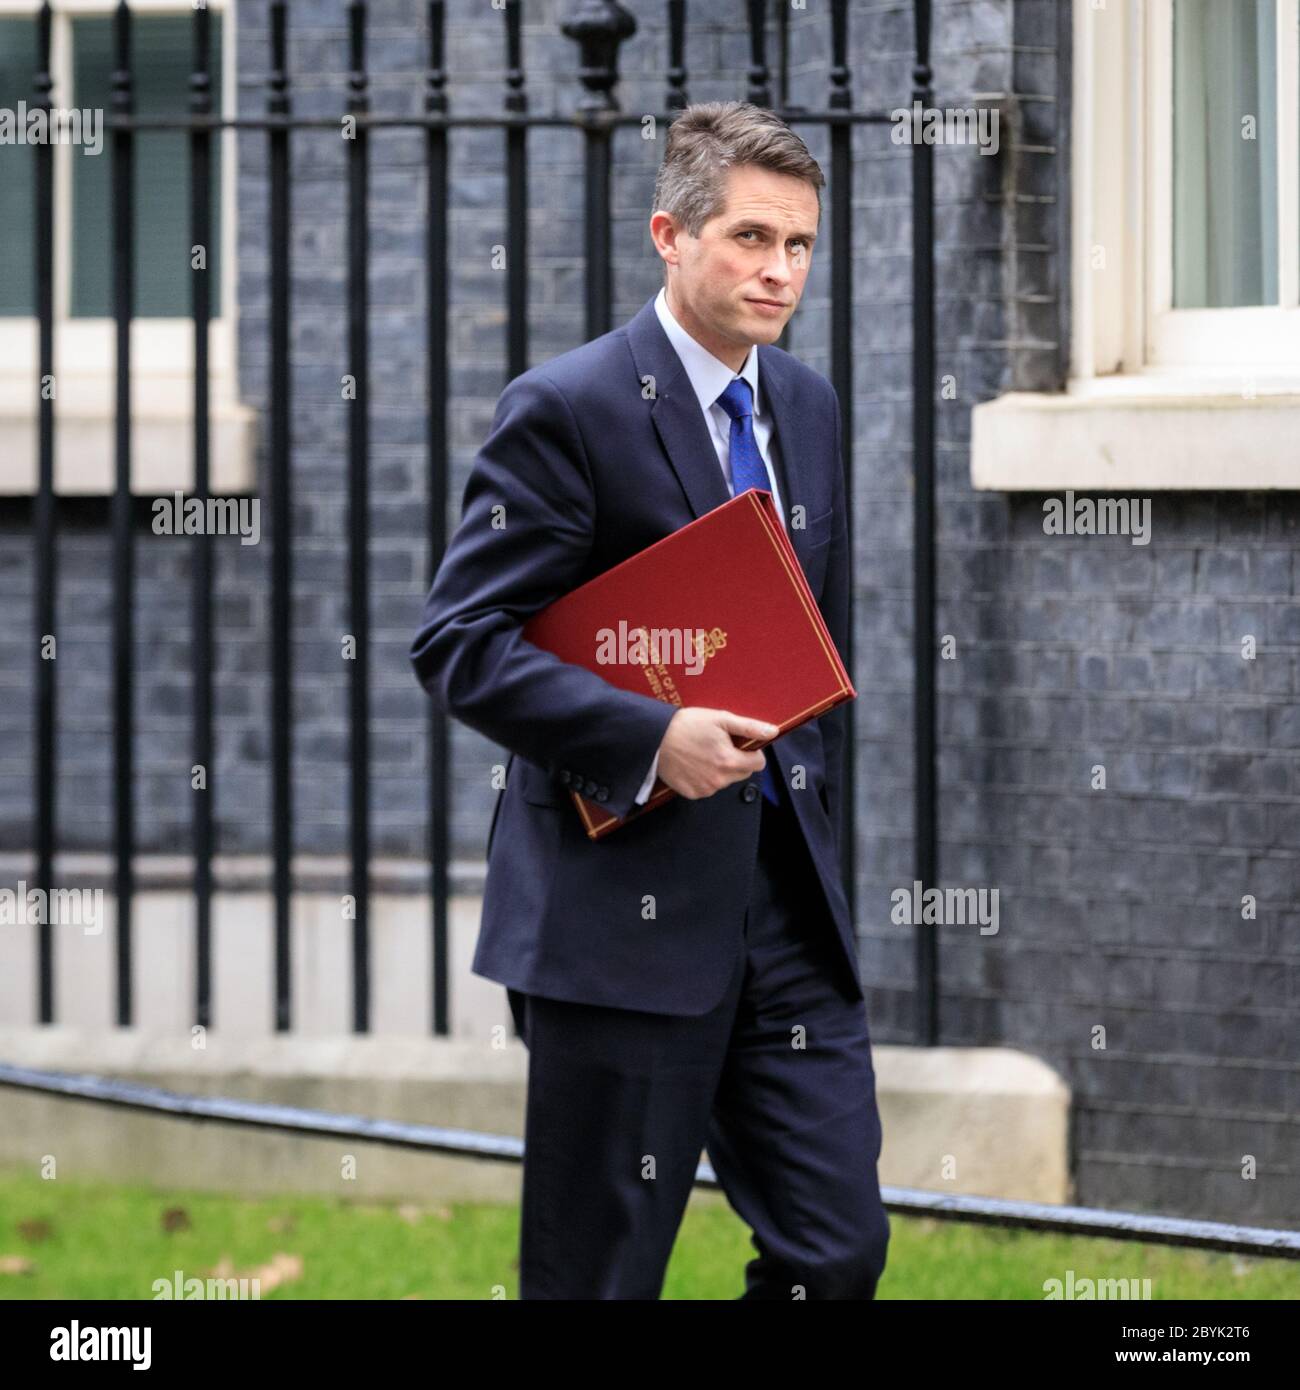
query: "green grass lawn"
82, 1241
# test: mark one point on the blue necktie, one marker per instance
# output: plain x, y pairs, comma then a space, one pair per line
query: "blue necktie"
747, 470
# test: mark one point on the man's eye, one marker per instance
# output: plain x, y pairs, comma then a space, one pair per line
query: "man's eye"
750, 233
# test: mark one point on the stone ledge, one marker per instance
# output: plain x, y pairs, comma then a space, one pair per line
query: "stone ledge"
1002, 1116
137, 1052
162, 450
243, 873
1113, 441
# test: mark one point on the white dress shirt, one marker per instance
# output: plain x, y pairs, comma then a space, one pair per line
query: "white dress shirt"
709, 377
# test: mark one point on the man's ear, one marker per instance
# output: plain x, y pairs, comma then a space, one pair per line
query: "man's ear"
664, 233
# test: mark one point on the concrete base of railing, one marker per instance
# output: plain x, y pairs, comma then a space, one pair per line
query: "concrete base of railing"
164, 959
986, 1121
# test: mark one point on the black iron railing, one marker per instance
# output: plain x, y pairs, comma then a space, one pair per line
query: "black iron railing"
598, 28
271, 1118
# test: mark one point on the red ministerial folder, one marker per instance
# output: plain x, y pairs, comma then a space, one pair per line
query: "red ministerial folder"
718, 614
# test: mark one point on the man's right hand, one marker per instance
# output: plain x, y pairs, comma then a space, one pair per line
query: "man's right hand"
697, 756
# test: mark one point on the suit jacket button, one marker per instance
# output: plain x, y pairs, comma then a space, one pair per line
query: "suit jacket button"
590, 787
749, 792
564, 775
602, 793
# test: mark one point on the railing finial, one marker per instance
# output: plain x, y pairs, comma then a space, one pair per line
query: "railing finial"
599, 27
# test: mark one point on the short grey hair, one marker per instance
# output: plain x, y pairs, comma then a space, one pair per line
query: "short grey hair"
713, 136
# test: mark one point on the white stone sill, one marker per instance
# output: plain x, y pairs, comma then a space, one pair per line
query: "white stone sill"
162, 451
1135, 435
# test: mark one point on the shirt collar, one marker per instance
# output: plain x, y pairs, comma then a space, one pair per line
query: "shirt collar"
708, 375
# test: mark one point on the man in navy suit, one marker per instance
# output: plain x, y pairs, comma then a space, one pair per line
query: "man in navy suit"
691, 980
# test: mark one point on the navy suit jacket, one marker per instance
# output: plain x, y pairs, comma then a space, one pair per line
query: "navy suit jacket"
593, 456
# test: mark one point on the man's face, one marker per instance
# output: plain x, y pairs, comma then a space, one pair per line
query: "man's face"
739, 281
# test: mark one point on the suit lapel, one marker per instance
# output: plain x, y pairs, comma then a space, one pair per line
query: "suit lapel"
676, 412
790, 425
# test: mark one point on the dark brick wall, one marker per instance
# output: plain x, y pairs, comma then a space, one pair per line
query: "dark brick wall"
1119, 908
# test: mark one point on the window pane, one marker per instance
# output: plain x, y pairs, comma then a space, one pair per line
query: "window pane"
17, 172
161, 54
1225, 153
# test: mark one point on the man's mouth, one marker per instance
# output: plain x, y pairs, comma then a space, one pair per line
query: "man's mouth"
774, 305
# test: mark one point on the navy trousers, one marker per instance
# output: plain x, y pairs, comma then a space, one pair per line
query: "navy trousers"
776, 1082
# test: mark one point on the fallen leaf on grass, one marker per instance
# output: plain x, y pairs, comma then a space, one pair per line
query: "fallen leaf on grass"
282, 1269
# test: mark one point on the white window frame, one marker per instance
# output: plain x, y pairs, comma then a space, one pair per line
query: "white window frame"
1157, 397
1263, 339
162, 349
1124, 323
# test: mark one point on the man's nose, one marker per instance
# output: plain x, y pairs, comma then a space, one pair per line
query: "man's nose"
780, 269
